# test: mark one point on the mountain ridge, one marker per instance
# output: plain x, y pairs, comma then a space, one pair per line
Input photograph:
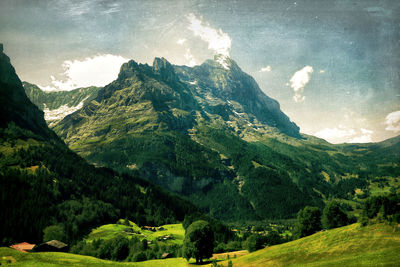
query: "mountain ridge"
203, 133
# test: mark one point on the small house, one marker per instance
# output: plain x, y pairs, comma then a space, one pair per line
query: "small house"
24, 246
53, 246
165, 255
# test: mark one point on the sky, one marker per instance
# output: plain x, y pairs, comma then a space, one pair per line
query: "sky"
333, 65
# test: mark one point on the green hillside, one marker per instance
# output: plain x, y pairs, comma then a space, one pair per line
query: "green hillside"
52, 259
108, 231
352, 245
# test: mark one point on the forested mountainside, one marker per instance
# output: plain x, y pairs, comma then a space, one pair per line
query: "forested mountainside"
43, 183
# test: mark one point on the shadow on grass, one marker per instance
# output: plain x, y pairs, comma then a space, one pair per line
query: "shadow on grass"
206, 262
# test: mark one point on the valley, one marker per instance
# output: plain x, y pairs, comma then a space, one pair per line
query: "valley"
175, 165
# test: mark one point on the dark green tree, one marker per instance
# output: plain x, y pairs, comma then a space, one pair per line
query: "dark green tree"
53, 232
333, 216
199, 241
253, 243
308, 221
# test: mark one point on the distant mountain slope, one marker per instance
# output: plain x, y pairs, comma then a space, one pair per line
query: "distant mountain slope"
211, 135
57, 105
43, 183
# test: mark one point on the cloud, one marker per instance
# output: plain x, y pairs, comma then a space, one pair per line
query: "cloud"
343, 134
299, 81
92, 71
335, 133
365, 137
366, 131
181, 41
190, 58
218, 41
266, 69
392, 121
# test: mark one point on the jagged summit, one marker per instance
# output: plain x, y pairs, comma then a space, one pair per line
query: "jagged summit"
223, 60
162, 67
233, 84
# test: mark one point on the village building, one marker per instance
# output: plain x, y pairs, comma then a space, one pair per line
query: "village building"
53, 246
24, 246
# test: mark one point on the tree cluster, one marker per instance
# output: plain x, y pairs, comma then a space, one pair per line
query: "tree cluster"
310, 219
121, 248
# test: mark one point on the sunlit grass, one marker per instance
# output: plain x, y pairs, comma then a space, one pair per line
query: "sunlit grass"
375, 245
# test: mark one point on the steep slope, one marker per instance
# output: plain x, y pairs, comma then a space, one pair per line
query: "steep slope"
232, 90
211, 135
57, 105
43, 183
14, 105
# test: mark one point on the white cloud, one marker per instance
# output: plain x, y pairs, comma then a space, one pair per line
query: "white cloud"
181, 41
365, 138
392, 121
343, 134
92, 71
266, 69
335, 133
366, 131
190, 58
218, 41
299, 81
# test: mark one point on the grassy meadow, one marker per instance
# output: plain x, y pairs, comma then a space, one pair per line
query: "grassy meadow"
109, 231
352, 245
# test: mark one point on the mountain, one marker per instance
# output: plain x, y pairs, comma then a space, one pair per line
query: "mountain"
57, 105
211, 135
43, 183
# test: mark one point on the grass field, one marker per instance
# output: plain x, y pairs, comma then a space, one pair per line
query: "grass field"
109, 231
47, 259
374, 245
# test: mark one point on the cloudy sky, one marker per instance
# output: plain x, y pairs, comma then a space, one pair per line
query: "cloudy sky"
332, 65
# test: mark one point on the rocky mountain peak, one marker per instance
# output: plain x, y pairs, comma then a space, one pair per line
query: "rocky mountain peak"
162, 67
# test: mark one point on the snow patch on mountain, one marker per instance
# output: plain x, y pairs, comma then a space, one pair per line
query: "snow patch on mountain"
61, 112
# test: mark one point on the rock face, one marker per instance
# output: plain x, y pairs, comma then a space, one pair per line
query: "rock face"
234, 85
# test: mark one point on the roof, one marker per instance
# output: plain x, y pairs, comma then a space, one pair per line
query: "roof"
24, 246
165, 255
56, 244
